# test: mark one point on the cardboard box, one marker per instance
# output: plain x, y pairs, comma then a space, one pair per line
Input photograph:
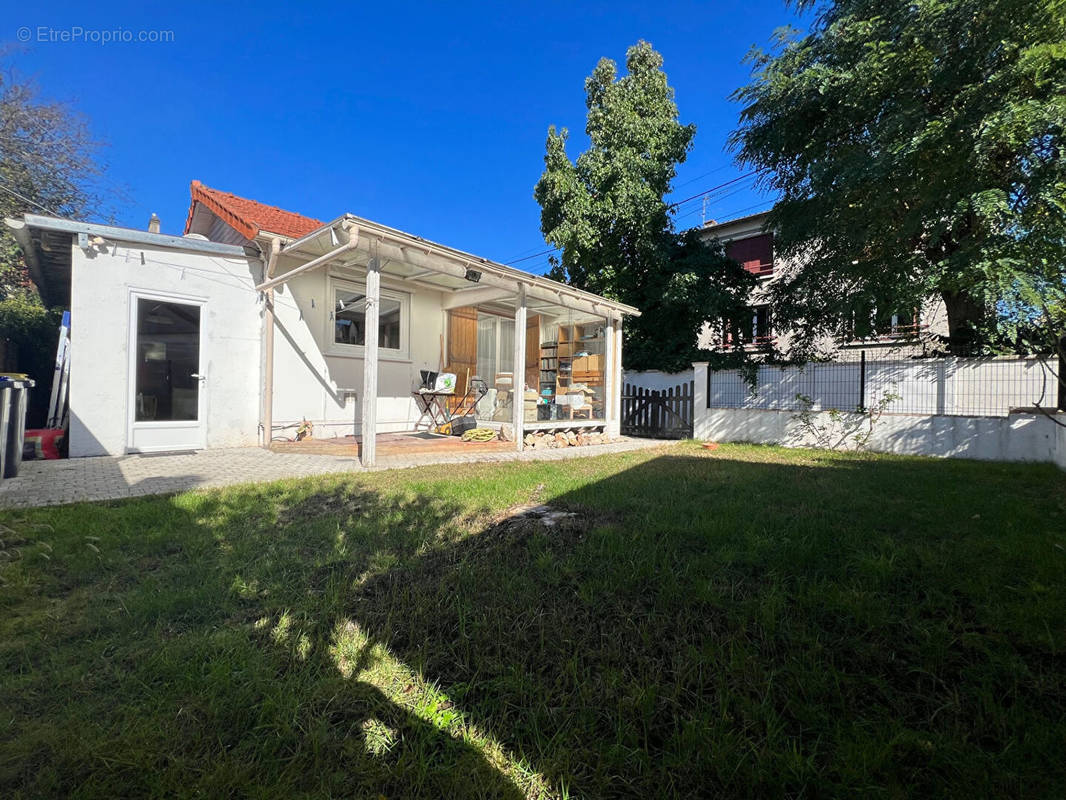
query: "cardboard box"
591, 363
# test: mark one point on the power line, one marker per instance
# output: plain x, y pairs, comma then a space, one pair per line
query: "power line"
712, 189
535, 255
519, 255
698, 209
670, 207
704, 175
748, 208
25, 199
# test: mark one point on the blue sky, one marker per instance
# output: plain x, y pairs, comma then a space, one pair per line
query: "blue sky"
428, 117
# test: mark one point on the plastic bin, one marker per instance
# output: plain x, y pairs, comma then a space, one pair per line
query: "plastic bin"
16, 393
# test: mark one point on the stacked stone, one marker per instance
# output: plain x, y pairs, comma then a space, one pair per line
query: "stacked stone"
542, 440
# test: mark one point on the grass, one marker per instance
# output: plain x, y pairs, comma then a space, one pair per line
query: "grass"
753, 622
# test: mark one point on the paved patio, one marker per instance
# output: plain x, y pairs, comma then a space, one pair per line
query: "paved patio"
49, 483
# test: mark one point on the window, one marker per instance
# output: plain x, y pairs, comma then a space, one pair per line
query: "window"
495, 346
871, 323
755, 253
348, 319
756, 330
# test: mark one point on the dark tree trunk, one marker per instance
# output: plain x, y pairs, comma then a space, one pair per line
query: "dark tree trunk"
965, 317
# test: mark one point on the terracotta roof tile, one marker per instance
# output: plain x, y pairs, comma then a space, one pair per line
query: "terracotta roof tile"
248, 217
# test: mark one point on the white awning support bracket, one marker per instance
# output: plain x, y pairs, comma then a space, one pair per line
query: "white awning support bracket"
351, 244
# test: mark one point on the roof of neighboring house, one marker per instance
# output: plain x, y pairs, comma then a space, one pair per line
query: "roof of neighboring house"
249, 217
714, 225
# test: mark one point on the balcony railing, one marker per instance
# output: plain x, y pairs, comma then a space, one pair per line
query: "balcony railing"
763, 270
895, 333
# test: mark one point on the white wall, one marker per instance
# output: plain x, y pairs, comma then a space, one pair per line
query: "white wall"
1019, 437
976, 387
309, 370
1015, 437
101, 280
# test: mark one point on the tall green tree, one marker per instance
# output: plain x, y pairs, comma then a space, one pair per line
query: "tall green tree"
606, 213
917, 146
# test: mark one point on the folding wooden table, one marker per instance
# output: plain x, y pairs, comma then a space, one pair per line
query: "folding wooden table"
434, 409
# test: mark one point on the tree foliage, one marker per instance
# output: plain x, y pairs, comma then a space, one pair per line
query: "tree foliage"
607, 214
917, 146
48, 164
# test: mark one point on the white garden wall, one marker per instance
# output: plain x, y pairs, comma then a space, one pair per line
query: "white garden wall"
1023, 436
1060, 446
974, 387
1018, 437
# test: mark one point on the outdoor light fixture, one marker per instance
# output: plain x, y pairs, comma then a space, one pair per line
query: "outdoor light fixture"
473, 275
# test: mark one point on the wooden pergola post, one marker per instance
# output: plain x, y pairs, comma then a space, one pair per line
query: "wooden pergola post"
609, 376
368, 430
518, 395
614, 427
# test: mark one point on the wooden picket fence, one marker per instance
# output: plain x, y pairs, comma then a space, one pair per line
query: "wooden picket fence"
658, 414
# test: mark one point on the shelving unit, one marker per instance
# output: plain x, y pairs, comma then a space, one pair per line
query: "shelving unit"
562, 367
549, 371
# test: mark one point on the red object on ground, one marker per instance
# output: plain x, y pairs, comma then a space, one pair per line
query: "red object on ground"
43, 443
710, 445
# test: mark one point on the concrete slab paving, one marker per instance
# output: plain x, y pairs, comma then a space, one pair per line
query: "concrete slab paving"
49, 483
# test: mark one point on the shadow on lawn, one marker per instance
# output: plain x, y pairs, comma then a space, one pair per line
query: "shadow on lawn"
293, 583
699, 627
696, 611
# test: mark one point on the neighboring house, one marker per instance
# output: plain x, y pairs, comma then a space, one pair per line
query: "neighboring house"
259, 318
749, 241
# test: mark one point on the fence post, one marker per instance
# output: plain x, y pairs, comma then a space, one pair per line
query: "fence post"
941, 386
701, 396
1062, 374
862, 382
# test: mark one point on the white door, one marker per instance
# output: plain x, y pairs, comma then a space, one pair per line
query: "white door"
168, 385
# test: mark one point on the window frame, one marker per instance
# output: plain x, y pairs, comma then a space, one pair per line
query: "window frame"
333, 347
499, 320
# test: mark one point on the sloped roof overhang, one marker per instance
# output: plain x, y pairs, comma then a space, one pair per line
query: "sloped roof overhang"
350, 240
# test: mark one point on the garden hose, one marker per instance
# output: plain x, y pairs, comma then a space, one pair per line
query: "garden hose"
479, 435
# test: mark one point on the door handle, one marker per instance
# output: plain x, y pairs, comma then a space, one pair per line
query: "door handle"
198, 376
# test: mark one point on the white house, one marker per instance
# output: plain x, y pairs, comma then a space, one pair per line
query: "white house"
258, 318
749, 241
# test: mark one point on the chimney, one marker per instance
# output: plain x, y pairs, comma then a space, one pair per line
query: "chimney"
153, 224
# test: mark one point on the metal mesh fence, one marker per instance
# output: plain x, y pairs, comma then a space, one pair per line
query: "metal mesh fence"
974, 386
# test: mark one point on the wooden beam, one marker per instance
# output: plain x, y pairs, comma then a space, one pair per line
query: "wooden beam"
450, 264
518, 396
368, 429
475, 295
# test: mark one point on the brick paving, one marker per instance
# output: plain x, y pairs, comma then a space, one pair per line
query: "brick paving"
49, 483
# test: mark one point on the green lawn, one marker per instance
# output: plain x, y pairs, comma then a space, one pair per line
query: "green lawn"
752, 622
